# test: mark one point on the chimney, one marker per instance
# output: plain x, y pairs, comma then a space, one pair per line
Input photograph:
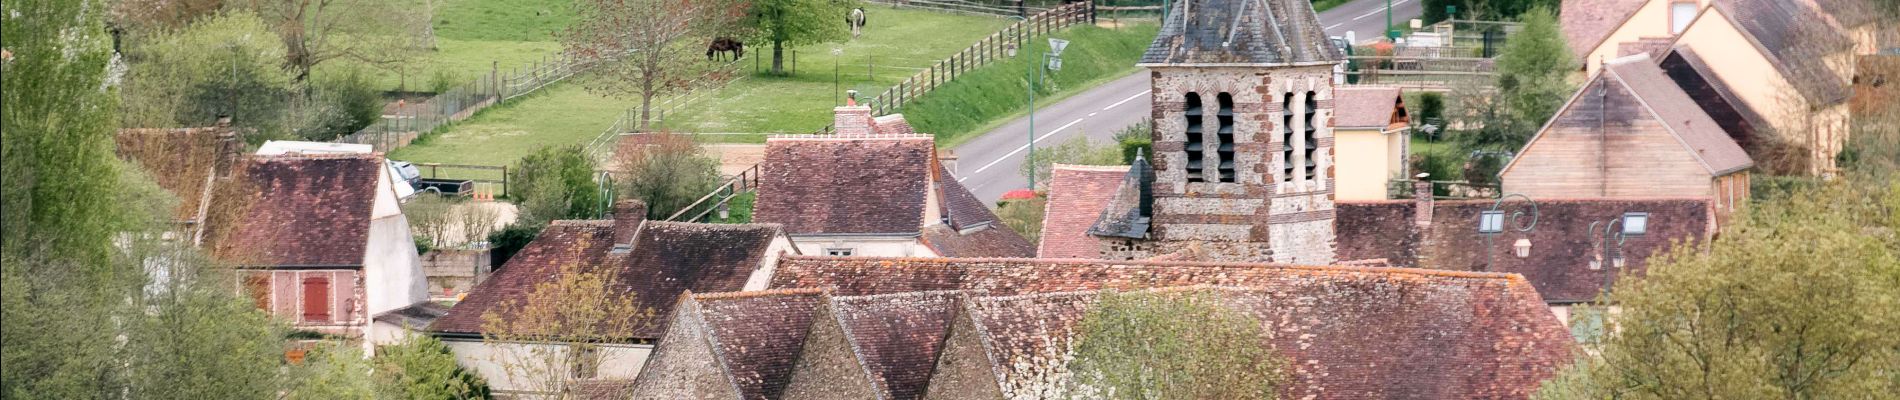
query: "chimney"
949, 161
628, 214
852, 119
228, 147
1422, 198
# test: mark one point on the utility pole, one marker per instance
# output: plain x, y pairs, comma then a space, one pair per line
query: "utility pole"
1389, 32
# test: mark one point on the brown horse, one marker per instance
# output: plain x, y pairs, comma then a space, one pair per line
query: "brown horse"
721, 45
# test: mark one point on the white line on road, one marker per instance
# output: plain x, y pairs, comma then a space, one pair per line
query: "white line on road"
1330, 27
1130, 98
1091, 114
1376, 12
1020, 149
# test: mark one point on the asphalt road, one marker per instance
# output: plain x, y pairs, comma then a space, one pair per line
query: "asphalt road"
991, 165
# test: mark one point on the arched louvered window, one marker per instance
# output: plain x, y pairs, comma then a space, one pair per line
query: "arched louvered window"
1196, 140
1310, 142
1225, 136
1286, 138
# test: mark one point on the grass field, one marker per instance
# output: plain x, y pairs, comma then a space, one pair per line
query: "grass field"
567, 114
997, 92
896, 44
475, 36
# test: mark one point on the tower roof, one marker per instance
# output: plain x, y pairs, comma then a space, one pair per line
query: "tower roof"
1243, 32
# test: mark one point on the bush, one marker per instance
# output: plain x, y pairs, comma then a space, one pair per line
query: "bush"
556, 183
504, 243
1428, 108
1024, 216
443, 80
340, 104
421, 368
668, 173
1136, 139
1079, 150
229, 65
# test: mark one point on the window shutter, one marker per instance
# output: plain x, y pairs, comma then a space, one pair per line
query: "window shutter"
316, 299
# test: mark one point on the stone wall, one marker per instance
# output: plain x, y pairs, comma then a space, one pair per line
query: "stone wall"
453, 272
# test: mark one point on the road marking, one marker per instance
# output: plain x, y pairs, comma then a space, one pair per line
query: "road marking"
1376, 12
1130, 98
1091, 114
1020, 149
1330, 27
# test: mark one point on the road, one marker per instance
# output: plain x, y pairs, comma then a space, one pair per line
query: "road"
991, 164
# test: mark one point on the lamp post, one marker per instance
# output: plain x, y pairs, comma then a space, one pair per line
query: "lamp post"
1491, 223
1632, 224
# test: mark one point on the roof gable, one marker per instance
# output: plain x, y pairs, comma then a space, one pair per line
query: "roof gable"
1587, 23
1794, 38
1077, 196
1366, 107
897, 337
1250, 32
758, 335
846, 185
684, 361
1692, 74
309, 210
1638, 81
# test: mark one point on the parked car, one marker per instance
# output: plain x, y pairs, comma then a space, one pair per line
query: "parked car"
415, 183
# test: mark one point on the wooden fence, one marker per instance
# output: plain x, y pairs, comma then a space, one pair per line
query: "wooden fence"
463, 101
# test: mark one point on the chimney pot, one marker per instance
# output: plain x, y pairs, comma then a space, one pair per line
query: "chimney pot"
1422, 200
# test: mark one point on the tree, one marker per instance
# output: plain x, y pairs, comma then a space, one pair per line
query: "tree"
796, 23
227, 65
1796, 301
555, 333
373, 32
1531, 76
332, 371
556, 183
1484, 10
1078, 151
1024, 216
667, 171
1187, 345
645, 47
421, 368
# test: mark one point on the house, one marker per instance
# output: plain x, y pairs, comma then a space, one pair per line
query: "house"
875, 189
654, 261
1631, 133
910, 328
1372, 135
1601, 30
1243, 111
1077, 196
318, 240
1781, 60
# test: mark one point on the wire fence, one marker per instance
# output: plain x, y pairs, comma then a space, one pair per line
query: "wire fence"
409, 121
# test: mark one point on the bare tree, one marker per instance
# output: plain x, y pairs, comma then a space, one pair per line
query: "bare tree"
374, 32
645, 46
556, 333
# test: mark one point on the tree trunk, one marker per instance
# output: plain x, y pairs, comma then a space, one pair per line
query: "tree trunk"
778, 57
646, 104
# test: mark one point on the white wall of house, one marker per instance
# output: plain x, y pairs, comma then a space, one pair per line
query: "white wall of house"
863, 246
762, 276
392, 270
491, 361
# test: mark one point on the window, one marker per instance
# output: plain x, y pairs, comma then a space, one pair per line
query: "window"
1196, 142
839, 252
1286, 138
584, 361
1224, 153
1680, 14
258, 286
316, 299
1309, 142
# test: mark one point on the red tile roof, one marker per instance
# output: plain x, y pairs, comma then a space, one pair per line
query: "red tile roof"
994, 240
897, 337
757, 335
1586, 23
307, 210
667, 259
1365, 107
1077, 196
817, 184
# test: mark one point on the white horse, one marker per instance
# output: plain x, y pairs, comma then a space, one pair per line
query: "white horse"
856, 21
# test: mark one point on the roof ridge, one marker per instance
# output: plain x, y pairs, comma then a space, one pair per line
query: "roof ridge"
723, 227
922, 293
1099, 168
581, 222
759, 293
849, 136
314, 156
953, 262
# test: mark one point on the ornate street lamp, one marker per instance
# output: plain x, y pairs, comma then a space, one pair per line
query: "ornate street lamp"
1493, 222
1611, 242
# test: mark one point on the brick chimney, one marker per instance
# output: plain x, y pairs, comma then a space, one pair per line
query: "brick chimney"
1422, 199
228, 147
852, 119
628, 214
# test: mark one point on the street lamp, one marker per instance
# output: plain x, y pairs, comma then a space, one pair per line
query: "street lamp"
1632, 224
1492, 223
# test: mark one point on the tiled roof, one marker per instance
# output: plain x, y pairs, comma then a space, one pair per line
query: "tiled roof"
863, 185
995, 240
1653, 46
415, 316
1130, 211
1241, 32
308, 210
1693, 75
961, 207
1364, 107
601, 389
1703, 136
1077, 196
758, 335
1797, 40
897, 336
180, 161
1586, 23
667, 259
1356, 332
1561, 246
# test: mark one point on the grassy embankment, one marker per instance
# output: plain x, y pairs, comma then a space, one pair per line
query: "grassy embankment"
997, 93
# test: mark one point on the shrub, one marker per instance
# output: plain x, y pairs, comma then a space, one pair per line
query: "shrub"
1136, 139
505, 242
556, 183
340, 104
229, 65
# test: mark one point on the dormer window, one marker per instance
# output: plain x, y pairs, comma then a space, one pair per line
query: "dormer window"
1196, 140
1225, 136
1286, 138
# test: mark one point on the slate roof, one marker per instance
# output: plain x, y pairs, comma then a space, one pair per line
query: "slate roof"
1796, 39
837, 185
1130, 212
1561, 246
667, 259
1352, 332
897, 337
1077, 196
181, 161
302, 210
1587, 23
757, 335
1241, 32
1365, 107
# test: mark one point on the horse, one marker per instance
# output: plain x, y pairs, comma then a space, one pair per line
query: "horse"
855, 20
725, 44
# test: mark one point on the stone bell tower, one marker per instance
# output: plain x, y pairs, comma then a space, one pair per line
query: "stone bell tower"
1243, 138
